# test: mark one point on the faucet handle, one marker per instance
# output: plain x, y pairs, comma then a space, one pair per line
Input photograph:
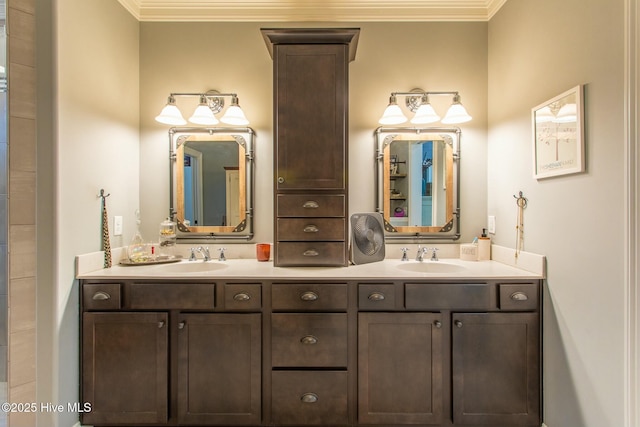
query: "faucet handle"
222, 257
434, 254
404, 254
192, 257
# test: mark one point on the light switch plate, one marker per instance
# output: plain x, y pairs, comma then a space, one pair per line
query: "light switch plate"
491, 224
117, 225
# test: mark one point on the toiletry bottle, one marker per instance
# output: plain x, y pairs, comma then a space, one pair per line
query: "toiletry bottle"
484, 246
167, 237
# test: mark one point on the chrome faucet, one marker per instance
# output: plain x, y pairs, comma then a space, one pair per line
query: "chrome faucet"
200, 249
420, 255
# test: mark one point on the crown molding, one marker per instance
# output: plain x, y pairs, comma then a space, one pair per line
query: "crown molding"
313, 10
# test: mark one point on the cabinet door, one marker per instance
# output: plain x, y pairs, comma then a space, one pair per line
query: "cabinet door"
496, 369
219, 369
400, 368
310, 117
125, 368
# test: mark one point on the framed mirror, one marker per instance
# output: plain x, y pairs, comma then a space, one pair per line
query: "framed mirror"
211, 195
417, 180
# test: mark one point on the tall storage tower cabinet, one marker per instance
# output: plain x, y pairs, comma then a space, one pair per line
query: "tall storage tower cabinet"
311, 105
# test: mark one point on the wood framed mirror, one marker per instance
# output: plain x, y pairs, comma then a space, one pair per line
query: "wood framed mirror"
417, 182
212, 183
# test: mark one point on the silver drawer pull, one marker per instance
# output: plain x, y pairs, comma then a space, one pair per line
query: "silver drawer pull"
309, 296
309, 340
437, 324
311, 229
376, 296
181, 325
309, 398
280, 180
242, 296
311, 252
311, 204
101, 296
519, 296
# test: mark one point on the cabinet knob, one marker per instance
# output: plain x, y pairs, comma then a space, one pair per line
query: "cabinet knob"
519, 296
458, 323
376, 296
181, 325
309, 296
280, 180
101, 296
309, 340
310, 252
309, 398
311, 229
161, 324
242, 296
311, 204
437, 324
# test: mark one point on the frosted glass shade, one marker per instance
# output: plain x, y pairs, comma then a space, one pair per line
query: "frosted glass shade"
170, 115
234, 116
425, 114
203, 116
393, 115
456, 114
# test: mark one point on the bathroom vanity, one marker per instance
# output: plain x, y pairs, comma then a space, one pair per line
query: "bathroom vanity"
447, 343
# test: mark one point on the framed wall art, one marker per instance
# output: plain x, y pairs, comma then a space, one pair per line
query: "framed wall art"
558, 137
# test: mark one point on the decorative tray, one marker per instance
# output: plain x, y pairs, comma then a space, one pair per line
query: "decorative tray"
158, 260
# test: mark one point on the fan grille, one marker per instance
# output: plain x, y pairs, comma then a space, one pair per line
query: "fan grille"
368, 235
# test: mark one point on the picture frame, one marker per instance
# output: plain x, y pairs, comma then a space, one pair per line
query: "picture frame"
558, 136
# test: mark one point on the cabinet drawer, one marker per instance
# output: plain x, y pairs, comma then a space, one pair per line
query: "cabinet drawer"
243, 296
312, 205
167, 296
450, 296
518, 297
311, 254
305, 229
374, 297
309, 397
309, 297
309, 340
102, 296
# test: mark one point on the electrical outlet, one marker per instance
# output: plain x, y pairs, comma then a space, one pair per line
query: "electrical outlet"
491, 224
117, 225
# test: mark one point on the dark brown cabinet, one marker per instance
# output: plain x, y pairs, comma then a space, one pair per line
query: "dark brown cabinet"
311, 352
219, 371
496, 376
400, 368
124, 367
311, 92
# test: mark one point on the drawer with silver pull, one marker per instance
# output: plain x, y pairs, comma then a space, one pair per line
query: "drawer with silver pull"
310, 254
242, 296
309, 296
309, 340
518, 296
312, 205
101, 296
379, 296
309, 397
307, 229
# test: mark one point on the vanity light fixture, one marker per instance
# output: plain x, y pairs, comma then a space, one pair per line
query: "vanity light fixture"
211, 103
418, 102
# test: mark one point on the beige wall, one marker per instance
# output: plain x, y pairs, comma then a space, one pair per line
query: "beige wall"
539, 49
184, 57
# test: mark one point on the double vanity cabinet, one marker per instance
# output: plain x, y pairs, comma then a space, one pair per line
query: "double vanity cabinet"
287, 348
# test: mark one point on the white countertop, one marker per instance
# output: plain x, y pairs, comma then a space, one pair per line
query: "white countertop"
88, 267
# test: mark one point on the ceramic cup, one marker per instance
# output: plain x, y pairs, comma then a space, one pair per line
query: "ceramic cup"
263, 251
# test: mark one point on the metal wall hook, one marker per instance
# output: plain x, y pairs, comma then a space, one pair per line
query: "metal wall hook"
102, 195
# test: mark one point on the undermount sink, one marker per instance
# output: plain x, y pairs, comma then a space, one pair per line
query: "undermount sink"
431, 267
190, 267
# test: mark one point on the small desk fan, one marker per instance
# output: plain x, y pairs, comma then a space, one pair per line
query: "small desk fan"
367, 238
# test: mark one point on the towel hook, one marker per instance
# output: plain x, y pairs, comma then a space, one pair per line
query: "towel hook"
102, 195
521, 201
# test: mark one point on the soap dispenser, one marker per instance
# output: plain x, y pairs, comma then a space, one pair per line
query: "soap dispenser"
484, 246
